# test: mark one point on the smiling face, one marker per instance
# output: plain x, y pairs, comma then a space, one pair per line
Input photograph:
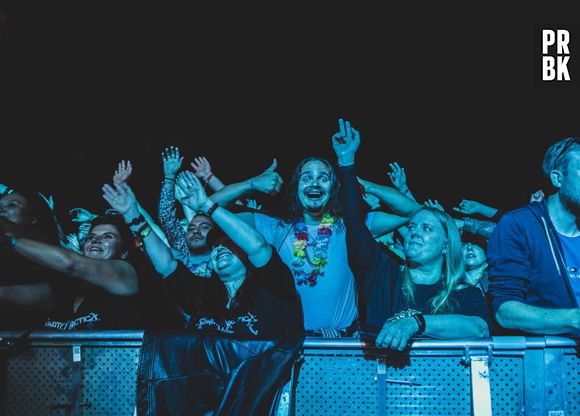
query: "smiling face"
15, 208
314, 186
226, 264
473, 255
426, 239
104, 242
197, 233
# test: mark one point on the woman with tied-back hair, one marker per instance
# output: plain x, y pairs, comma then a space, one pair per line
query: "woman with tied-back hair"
428, 294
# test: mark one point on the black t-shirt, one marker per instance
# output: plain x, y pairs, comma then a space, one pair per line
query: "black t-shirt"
466, 301
266, 305
17, 270
150, 308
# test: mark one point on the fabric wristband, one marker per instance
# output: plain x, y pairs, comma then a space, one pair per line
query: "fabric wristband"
421, 322
212, 209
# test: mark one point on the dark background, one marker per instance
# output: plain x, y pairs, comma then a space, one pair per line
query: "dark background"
451, 94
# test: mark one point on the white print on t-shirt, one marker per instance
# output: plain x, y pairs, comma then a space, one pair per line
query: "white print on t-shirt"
227, 325
73, 323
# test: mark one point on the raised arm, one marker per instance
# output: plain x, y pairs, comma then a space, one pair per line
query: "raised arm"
203, 172
268, 182
241, 233
121, 176
123, 200
115, 276
469, 207
398, 177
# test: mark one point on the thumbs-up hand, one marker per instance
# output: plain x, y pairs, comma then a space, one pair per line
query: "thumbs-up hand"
269, 181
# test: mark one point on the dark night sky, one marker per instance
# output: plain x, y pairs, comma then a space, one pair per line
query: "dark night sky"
450, 94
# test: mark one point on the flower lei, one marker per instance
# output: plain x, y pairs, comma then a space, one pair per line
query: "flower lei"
319, 251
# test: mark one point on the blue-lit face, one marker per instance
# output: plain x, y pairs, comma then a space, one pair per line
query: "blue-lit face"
197, 232
14, 207
570, 188
314, 186
473, 255
226, 264
104, 242
425, 240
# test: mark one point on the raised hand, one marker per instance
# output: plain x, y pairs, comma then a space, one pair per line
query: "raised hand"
193, 191
121, 198
171, 161
122, 173
72, 243
345, 143
537, 196
398, 176
82, 215
434, 204
253, 204
468, 207
269, 181
201, 167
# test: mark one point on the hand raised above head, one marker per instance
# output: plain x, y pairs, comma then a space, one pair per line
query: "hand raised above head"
398, 176
201, 167
345, 143
194, 195
82, 215
171, 161
269, 181
123, 172
121, 198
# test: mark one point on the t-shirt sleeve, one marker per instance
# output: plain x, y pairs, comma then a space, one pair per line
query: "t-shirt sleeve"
509, 265
276, 277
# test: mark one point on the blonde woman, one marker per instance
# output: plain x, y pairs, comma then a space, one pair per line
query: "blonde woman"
427, 294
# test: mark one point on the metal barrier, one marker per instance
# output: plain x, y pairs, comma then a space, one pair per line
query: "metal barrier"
95, 373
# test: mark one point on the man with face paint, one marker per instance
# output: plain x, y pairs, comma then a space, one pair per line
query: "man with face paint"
534, 254
310, 239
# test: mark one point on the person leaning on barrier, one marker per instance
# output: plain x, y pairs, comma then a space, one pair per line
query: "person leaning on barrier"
428, 295
534, 254
26, 289
110, 286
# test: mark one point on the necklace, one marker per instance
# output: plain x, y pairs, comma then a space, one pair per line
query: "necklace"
319, 251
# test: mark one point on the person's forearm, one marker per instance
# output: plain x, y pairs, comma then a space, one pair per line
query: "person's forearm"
168, 220
487, 211
517, 315
400, 203
156, 229
455, 326
231, 192
215, 183
241, 233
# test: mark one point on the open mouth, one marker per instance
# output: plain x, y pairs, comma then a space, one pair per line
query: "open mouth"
314, 193
95, 249
470, 256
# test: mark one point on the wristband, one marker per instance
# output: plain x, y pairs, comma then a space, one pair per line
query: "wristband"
212, 209
421, 322
137, 220
209, 177
143, 234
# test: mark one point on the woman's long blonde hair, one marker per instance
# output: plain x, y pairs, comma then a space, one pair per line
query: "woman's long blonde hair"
453, 271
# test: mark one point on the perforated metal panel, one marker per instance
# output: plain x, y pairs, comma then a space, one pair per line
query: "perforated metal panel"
350, 385
109, 377
37, 382
572, 384
507, 381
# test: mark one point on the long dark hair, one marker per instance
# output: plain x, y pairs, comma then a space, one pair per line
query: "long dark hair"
295, 211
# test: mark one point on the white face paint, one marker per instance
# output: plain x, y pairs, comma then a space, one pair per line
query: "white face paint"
314, 186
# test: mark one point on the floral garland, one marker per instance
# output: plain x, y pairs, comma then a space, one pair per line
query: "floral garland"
319, 251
